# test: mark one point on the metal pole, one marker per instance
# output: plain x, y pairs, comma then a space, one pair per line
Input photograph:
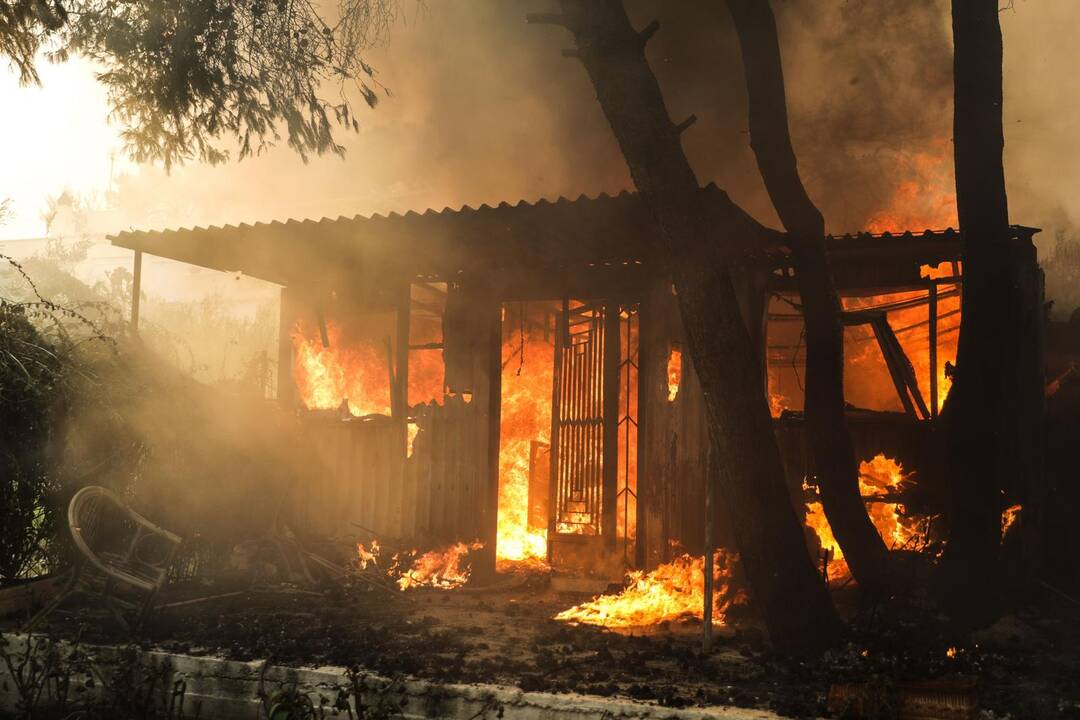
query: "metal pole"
706, 640
933, 313
136, 291
609, 392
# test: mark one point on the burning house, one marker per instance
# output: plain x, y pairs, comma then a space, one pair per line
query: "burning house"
513, 377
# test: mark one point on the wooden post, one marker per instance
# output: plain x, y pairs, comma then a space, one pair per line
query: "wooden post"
643, 407
706, 640
556, 439
400, 391
286, 316
493, 310
932, 310
611, 360
136, 291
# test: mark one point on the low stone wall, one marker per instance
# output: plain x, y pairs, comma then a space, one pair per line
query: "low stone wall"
207, 687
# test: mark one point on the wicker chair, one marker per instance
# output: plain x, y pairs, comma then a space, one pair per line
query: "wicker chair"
119, 550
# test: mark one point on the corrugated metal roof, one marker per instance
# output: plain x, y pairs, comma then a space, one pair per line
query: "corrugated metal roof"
542, 236
589, 230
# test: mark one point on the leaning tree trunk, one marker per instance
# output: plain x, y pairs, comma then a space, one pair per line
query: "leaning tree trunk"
986, 387
793, 600
830, 441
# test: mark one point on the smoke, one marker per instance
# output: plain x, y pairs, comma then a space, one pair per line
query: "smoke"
484, 109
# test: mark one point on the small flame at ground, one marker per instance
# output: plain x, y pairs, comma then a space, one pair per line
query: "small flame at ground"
367, 555
878, 477
672, 591
445, 569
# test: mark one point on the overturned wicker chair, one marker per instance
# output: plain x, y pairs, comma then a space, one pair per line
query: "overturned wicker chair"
120, 551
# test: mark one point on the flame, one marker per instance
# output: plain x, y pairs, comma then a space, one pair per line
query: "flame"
867, 381
672, 591
926, 198
1008, 518
367, 556
878, 477
412, 430
778, 402
527, 376
328, 376
442, 569
674, 372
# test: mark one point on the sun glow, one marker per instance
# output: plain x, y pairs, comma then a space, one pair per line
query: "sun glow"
49, 152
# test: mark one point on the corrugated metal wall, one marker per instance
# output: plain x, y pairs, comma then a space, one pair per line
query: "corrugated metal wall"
362, 480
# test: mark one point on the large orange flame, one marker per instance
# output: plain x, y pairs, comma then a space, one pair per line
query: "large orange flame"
674, 372
327, 376
925, 197
878, 477
527, 376
672, 591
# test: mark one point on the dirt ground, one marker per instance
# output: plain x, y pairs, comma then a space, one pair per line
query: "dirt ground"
1028, 665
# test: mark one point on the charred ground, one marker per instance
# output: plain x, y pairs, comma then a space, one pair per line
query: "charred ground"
1027, 665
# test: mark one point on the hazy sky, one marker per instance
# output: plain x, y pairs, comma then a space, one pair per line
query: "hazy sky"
484, 109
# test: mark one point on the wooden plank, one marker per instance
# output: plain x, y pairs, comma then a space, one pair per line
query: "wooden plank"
27, 595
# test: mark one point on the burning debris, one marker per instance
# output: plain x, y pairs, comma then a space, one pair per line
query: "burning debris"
673, 591
441, 569
446, 569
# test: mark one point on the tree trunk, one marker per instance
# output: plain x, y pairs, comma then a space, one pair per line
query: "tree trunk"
793, 600
986, 388
834, 455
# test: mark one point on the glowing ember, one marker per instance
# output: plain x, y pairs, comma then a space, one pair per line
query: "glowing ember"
672, 591
327, 376
1008, 518
878, 477
527, 379
778, 402
674, 373
445, 569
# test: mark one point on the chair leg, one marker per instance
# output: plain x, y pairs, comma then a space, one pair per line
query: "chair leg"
70, 585
147, 607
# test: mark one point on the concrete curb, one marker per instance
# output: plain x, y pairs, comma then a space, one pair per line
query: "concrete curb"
209, 687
